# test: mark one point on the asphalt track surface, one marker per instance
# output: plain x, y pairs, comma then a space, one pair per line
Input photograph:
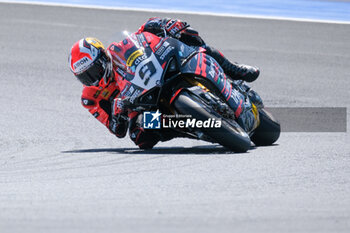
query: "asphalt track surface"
61, 170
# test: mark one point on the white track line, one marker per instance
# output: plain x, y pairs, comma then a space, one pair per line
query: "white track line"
178, 12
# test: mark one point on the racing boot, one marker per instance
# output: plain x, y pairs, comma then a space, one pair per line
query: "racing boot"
240, 71
234, 70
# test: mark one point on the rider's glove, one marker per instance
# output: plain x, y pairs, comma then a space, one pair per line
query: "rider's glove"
119, 118
118, 106
174, 27
118, 125
154, 25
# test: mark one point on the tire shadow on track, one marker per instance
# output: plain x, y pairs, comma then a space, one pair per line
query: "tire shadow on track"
208, 149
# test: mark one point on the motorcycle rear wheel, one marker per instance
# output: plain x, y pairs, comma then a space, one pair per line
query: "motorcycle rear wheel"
229, 135
268, 131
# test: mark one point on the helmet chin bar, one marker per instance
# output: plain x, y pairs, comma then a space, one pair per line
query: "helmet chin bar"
108, 72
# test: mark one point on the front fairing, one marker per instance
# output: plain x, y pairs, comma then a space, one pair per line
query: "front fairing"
144, 58
138, 67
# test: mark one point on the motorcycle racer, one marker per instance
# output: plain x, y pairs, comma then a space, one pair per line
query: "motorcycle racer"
103, 77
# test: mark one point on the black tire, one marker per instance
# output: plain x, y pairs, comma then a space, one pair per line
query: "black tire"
268, 131
229, 135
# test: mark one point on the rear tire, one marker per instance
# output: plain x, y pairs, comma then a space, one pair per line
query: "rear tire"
268, 131
229, 135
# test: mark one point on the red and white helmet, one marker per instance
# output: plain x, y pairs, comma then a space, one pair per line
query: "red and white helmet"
89, 62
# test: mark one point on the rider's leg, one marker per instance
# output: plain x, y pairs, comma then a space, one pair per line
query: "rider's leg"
234, 70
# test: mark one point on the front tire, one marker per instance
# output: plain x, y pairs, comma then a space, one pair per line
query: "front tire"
229, 135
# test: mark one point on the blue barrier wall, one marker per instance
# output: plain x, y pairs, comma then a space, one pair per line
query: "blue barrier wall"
308, 9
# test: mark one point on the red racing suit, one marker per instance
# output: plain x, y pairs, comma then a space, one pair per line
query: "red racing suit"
98, 100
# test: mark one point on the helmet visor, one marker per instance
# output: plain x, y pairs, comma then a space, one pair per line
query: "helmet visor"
93, 75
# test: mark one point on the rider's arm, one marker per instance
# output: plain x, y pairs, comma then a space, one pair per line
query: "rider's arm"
154, 25
90, 101
175, 28
101, 110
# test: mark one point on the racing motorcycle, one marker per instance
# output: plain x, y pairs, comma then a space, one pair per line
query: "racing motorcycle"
165, 75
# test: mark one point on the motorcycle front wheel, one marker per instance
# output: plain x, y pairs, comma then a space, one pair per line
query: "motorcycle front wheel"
229, 135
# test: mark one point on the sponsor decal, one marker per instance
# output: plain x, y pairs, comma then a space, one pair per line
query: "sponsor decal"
115, 48
149, 37
174, 30
170, 24
125, 91
160, 51
140, 59
142, 40
212, 71
106, 93
166, 52
175, 26
132, 92
87, 102
212, 68
135, 94
236, 96
119, 104
133, 57
159, 44
94, 42
80, 63
121, 72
